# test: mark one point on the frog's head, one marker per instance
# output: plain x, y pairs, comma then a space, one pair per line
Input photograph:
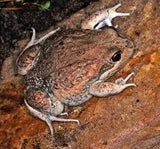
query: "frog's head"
120, 50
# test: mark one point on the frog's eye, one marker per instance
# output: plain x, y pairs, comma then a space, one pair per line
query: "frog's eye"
116, 56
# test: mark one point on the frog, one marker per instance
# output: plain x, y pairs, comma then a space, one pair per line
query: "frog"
73, 68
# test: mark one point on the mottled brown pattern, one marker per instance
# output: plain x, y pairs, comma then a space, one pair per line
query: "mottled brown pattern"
78, 58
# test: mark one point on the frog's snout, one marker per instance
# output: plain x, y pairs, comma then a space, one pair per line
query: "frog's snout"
129, 43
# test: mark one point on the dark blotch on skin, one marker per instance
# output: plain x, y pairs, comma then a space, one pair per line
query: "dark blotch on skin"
137, 101
137, 33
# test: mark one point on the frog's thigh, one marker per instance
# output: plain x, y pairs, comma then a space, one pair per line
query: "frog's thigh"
102, 89
40, 100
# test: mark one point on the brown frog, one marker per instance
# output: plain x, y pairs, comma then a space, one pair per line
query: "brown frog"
71, 69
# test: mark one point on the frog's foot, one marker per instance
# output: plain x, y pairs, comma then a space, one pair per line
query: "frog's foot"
40, 115
53, 118
112, 12
48, 118
111, 15
33, 40
45, 107
124, 81
102, 89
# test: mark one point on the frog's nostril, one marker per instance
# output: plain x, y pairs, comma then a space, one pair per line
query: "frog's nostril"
129, 43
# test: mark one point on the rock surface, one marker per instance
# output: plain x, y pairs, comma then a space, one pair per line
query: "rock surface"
130, 120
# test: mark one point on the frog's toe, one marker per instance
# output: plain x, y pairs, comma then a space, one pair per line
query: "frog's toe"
116, 6
128, 77
43, 38
33, 40
53, 118
112, 12
64, 113
129, 85
124, 81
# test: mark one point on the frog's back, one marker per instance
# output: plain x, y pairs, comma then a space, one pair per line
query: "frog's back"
70, 63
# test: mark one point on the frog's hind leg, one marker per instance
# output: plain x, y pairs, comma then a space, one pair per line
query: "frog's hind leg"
28, 58
33, 40
47, 35
48, 118
45, 107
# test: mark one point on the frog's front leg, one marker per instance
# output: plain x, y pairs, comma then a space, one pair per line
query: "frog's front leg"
102, 89
45, 107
